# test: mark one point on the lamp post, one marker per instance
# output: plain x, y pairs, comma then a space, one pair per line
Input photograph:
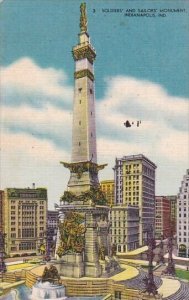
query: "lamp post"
150, 286
160, 254
170, 269
48, 238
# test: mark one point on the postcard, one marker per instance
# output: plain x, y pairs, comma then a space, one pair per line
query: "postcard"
94, 94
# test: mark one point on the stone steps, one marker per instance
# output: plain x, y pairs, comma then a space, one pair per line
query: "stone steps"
138, 283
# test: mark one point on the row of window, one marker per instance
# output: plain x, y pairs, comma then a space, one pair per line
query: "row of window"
28, 195
184, 227
183, 240
148, 171
134, 166
27, 246
182, 233
183, 209
182, 203
182, 215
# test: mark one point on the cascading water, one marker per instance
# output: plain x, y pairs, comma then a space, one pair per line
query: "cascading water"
47, 290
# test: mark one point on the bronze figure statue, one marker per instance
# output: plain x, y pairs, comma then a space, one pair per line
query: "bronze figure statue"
83, 18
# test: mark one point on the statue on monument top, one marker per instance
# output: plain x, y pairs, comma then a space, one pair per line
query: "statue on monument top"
83, 17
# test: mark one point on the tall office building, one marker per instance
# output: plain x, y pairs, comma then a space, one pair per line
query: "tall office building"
183, 217
107, 186
162, 217
25, 213
134, 177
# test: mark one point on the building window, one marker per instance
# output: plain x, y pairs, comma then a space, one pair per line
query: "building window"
13, 249
117, 295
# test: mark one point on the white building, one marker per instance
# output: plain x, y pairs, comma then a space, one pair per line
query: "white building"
134, 177
125, 227
183, 217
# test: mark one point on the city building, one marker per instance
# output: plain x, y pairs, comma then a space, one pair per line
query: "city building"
134, 178
183, 217
107, 187
162, 217
173, 203
52, 227
124, 227
52, 219
26, 218
1, 211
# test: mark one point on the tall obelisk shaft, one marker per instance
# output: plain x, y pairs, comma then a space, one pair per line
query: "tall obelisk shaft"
84, 130
83, 167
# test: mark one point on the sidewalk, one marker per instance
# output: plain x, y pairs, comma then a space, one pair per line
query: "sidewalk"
169, 287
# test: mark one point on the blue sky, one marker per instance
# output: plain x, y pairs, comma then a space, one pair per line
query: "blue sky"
141, 72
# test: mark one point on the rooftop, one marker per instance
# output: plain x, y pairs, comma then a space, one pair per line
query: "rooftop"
137, 157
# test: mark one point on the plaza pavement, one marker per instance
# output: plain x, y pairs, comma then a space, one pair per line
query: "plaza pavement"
167, 288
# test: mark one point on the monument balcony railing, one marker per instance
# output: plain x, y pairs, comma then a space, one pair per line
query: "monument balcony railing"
81, 45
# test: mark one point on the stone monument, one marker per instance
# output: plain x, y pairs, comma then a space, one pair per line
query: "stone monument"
83, 242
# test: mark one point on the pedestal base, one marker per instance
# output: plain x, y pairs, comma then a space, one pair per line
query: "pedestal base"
110, 266
71, 265
93, 269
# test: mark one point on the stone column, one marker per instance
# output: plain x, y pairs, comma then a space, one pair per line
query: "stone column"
58, 242
92, 265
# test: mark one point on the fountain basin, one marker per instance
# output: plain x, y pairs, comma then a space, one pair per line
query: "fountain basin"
47, 290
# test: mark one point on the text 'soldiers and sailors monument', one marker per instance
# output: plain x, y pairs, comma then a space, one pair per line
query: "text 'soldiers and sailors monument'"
83, 243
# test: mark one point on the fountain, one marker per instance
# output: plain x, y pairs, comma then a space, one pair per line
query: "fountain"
48, 290
48, 286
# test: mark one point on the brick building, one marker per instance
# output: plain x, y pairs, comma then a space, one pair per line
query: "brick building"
162, 217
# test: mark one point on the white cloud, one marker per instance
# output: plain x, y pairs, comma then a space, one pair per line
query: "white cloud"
32, 137
26, 76
48, 120
124, 91
164, 119
20, 146
25, 159
175, 146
